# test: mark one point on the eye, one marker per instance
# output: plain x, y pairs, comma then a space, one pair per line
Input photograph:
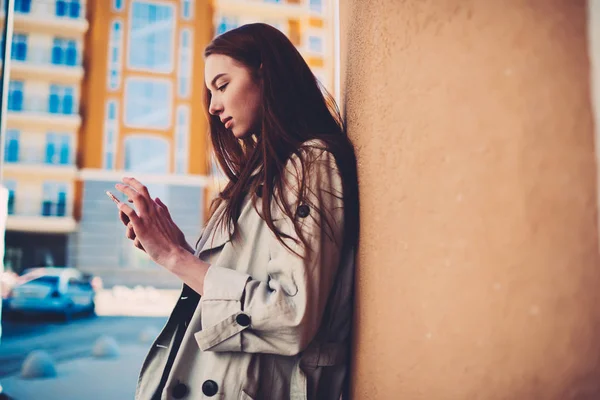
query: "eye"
222, 87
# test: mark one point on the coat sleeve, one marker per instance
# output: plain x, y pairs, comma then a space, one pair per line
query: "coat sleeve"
283, 314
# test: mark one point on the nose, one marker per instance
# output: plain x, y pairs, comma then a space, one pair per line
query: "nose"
215, 107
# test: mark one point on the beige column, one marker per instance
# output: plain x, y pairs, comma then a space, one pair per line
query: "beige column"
478, 272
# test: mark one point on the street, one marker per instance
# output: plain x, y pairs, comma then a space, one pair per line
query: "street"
65, 341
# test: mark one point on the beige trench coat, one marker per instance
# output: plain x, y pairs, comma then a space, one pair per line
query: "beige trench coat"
270, 325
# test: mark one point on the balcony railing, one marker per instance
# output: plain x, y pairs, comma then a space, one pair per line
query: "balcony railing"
63, 106
47, 56
62, 9
35, 155
31, 207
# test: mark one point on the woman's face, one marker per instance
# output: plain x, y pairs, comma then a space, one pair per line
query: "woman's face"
235, 94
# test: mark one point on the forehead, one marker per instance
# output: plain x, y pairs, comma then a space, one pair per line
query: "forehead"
216, 64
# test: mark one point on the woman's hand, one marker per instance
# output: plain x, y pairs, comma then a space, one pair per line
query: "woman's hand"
152, 229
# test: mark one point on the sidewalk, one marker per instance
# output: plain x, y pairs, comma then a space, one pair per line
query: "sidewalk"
84, 379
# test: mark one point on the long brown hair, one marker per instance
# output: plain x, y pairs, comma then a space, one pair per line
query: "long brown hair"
295, 108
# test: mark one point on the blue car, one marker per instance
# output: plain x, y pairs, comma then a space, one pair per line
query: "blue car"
64, 291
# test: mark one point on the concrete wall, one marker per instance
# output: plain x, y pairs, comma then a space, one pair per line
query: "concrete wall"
478, 266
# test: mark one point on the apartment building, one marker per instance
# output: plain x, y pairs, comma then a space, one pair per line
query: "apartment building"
143, 117
43, 122
309, 24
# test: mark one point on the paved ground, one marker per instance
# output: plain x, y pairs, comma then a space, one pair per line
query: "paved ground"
122, 314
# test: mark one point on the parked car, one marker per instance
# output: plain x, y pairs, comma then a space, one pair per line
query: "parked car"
64, 291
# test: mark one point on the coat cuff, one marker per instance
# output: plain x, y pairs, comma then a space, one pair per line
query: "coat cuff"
221, 310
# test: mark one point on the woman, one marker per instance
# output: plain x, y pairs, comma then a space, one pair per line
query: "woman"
266, 303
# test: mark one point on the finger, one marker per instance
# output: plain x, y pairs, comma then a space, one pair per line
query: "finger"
164, 208
139, 200
129, 213
130, 233
138, 244
124, 218
137, 185
160, 203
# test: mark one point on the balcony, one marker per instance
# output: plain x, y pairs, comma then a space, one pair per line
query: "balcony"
52, 17
36, 111
39, 161
52, 63
32, 214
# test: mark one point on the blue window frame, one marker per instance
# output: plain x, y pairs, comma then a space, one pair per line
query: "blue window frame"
11, 148
315, 43
15, 95
22, 6
64, 52
58, 149
118, 5
55, 199
61, 100
115, 48
19, 47
11, 186
316, 5
68, 8
148, 103
111, 132
226, 24
186, 9
146, 154
151, 34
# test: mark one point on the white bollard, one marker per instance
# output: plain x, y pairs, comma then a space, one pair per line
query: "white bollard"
148, 334
38, 364
106, 347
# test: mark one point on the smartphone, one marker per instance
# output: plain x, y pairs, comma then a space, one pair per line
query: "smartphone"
113, 197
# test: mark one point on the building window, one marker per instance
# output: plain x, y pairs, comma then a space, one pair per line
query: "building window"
54, 202
315, 43
226, 24
11, 186
148, 103
115, 49
182, 134
186, 9
61, 100
151, 34
147, 154
294, 32
68, 8
22, 6
15, 96
118, 5
316, 5
19, 47
11, 148
64, 52
58, 149
185, 64
111, 133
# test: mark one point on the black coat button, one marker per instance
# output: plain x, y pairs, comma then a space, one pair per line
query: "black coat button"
303, 211
210, 388
243, 319
179, 391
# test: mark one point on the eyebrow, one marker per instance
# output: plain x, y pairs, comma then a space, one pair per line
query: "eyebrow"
212, 83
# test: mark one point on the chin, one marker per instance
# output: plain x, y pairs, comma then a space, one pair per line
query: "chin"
239, 134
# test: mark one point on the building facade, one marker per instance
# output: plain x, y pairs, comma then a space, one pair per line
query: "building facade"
42, 128
142, 102
309, 24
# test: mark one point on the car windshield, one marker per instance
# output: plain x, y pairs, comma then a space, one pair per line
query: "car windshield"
47, 279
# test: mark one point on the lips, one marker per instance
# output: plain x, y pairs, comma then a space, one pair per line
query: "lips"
227, 122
